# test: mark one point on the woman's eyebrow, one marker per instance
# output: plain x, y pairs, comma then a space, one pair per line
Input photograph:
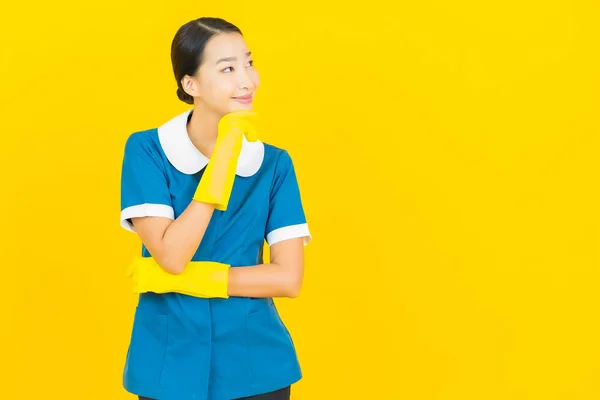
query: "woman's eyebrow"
231, 58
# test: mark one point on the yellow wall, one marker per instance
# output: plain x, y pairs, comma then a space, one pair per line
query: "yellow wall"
448, 158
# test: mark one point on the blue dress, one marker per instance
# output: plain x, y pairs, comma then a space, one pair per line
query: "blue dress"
184, 347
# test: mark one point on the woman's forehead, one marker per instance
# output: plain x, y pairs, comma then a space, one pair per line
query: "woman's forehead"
225, 45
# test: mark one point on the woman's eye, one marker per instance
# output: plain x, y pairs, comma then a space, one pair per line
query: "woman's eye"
230, 69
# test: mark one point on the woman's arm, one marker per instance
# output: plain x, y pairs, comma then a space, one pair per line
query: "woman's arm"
173, 243
281, 278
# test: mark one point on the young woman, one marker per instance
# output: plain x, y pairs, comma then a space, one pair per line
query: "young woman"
200, 194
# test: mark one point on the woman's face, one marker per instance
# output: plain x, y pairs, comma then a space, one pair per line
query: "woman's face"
227, 80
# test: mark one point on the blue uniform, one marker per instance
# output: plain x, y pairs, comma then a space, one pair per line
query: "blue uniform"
184, 347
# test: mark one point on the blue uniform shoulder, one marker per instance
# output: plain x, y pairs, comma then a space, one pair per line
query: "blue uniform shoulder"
143, 140
280, 156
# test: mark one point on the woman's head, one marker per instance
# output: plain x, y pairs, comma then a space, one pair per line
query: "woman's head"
212, 65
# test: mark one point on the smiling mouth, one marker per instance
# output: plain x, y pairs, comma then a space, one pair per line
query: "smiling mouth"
247, 99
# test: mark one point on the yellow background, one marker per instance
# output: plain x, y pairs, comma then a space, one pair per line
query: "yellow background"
448, 158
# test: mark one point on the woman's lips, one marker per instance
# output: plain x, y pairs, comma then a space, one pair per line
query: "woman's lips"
244, 99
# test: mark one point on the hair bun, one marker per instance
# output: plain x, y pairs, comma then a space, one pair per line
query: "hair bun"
183, 96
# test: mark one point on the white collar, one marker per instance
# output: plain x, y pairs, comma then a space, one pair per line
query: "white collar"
184, 156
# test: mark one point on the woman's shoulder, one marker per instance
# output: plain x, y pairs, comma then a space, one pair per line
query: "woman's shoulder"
278, 158
142, 140
275, 152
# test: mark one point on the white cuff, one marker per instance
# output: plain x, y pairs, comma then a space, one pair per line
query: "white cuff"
289, 232
145, 210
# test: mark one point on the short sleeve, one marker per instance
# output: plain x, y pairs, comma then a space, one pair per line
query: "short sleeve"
144, 188
286, 219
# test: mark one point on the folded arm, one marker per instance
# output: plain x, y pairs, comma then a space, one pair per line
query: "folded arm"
173, 243
282, 277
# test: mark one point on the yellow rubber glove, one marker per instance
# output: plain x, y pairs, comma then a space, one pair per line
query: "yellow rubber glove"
217, 180
204, 279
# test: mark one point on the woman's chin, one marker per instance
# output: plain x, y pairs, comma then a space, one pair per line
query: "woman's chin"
237, 106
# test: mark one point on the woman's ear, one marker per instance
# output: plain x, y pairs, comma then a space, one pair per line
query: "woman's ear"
190, 86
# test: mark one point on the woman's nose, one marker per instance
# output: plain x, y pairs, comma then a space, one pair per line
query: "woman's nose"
245, 82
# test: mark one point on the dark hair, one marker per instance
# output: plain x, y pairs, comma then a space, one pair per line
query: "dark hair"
188, 45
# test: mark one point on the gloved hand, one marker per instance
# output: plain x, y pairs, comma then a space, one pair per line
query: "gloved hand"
204, 279
217, 180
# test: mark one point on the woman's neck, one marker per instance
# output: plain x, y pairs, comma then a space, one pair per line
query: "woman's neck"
203, 129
